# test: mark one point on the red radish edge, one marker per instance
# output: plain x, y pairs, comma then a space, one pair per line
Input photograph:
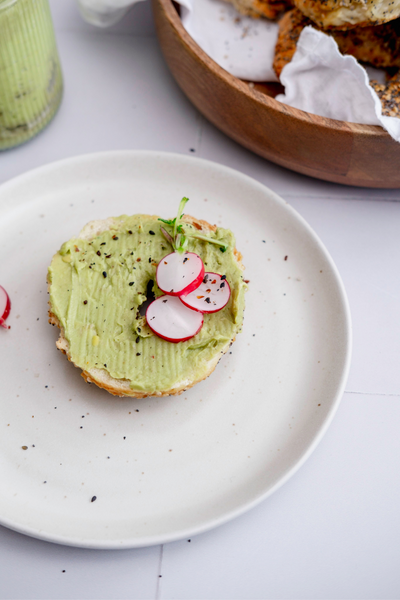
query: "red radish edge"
157, 333
7, 309
194, 284
208, 312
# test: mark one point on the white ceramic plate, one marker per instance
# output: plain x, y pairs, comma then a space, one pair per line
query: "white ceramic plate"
162, 469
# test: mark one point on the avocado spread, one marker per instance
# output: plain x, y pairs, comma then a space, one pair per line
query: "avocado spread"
97, 289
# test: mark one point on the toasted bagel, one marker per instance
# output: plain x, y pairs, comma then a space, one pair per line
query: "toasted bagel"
389, 95
377, 45
345, 14
270, 9
122, 386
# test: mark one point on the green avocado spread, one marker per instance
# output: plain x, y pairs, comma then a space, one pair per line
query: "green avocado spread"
98, 285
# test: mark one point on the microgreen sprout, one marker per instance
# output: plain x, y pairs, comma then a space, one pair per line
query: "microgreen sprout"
180, 237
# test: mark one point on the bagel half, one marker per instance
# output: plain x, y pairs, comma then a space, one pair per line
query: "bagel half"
123, 386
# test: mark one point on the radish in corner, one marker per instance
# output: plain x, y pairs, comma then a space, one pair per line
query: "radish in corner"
179, 274
168, 318
211, 295
5, 307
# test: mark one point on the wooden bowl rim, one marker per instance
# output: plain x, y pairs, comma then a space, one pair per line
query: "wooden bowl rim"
252, 94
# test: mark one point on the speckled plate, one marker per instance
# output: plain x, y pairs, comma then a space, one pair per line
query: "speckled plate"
162, 469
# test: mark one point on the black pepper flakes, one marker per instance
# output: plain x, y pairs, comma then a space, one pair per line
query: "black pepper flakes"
98, 253
131, 283
138, 354
137, 339
223, 277
151, 232
207, 300
94, 498
85, 302
104, 274
114, 237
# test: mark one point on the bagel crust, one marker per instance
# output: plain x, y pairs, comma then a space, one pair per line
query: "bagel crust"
270, 9
377, 45
101, 377
345, 14
389, 95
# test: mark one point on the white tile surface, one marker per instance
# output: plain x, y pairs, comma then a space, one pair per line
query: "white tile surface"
32, 569
332, 531
326, 533
118, 94
362, 237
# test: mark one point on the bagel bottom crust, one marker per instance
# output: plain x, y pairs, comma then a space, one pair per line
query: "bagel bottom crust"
121, 387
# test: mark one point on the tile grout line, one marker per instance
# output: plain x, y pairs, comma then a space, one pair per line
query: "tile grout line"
372, 394
159, 574
330, 197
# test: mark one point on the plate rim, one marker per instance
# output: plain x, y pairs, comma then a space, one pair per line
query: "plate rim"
153, 540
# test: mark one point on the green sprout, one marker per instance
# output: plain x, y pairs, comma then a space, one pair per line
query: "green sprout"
180, 237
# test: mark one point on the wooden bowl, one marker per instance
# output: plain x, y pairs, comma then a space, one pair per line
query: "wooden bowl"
349, 153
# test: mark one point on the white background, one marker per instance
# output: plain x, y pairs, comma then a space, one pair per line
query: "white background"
333, 530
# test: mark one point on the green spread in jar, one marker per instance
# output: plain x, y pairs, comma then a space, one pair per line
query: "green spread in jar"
30, 74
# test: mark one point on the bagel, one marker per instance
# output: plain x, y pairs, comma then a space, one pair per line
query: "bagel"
97, 285
270, 9
349, 13
377, 45
389, 95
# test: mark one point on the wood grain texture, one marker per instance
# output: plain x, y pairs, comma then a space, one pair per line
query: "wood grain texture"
338, 151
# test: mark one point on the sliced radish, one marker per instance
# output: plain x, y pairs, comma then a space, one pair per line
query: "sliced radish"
168, 318
179, 273
212, 294
5, 307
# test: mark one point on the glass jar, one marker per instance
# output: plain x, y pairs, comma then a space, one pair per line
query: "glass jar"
30, 73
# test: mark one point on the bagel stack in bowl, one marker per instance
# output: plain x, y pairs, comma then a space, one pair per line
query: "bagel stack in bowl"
369, 31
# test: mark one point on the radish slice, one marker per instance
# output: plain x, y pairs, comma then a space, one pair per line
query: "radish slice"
179, 273
211, 295
5, 307
168, 318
